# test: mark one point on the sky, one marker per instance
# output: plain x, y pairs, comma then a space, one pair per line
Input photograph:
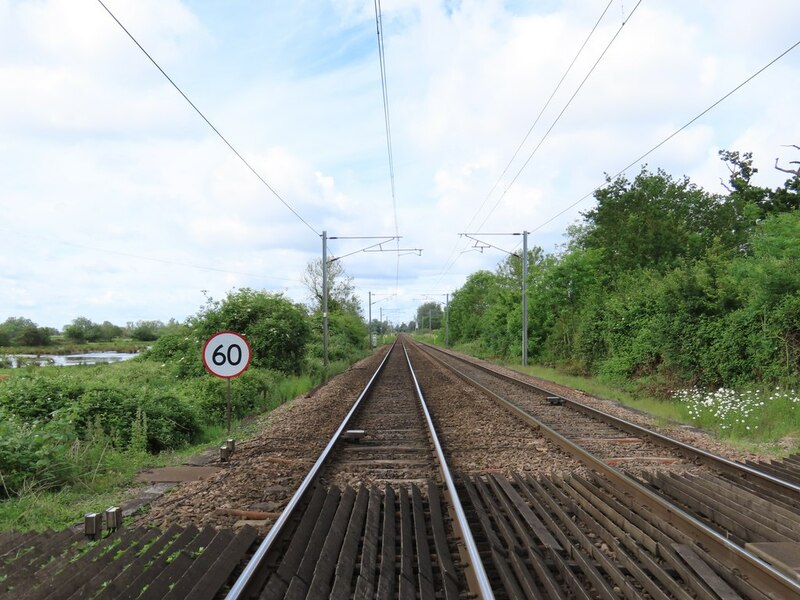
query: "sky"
119, 202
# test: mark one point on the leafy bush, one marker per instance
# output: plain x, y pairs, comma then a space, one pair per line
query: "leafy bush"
171, 423
35, 453
35, 396
250, 392
276, 329
108, 397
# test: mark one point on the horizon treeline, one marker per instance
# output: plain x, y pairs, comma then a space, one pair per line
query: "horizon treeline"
21, 331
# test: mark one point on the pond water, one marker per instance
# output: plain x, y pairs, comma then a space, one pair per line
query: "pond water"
65, 360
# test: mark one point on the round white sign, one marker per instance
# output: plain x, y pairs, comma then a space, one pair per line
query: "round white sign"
226, 354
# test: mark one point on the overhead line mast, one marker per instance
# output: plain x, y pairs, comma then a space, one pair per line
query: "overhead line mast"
377, 247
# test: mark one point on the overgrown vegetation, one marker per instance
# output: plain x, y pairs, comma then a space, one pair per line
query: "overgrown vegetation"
662, 287
86, 428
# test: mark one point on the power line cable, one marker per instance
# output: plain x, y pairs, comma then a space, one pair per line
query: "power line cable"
452, 259
388, 126
199, 112
670, 136
558, 118
541, 112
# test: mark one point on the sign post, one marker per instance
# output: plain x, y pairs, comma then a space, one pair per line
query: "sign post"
226, 355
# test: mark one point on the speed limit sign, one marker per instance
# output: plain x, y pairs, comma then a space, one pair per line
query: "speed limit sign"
226, 354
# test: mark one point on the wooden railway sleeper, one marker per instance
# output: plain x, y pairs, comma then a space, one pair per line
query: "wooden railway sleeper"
667, 534
332, 546
611, 570
509, 537
278, 582
119, 586
303, 573
735, 526
632, 541
777, 506
158, 587
774, 517
483, 519
349, 550
386, 578
364, 585
727, 512
626, 550
697, 584
450, 577
424, 564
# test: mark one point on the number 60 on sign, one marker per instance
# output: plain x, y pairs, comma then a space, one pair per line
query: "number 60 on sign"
226, 354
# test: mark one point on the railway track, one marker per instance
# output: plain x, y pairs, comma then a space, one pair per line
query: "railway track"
380, 515
368, 541
751, 516
614, 440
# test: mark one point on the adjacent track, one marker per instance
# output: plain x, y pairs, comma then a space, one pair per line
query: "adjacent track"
617, 441
708, 520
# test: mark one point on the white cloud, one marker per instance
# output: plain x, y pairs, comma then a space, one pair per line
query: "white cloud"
120, 203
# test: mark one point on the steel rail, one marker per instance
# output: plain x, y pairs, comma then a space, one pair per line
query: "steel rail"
722, 463
240, 586
759, 573
479, 572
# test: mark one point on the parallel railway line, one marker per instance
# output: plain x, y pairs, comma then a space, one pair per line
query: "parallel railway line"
616, 441
743, 514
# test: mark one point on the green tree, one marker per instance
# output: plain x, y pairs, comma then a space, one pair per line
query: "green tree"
469, 305
276, 328
653, 222
429, 315
146, 331
82, 330
109, 331
341, 291
19, 331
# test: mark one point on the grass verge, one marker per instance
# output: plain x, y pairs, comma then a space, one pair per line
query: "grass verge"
764, 421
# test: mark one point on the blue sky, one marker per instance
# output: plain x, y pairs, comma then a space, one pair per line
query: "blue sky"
117, 202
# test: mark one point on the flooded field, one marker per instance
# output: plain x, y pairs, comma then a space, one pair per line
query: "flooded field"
64, 360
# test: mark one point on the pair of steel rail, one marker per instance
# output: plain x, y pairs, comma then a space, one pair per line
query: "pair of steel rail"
477, 575
766, 577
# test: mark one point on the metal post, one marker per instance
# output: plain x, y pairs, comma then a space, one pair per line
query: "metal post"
447, 322
369, 323
430, 320
325, 298
229, 406
524, 298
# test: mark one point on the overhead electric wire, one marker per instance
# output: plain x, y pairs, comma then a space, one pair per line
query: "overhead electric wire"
451, 260
541, 112
558, 118
388, 126
199, 112
670, 136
